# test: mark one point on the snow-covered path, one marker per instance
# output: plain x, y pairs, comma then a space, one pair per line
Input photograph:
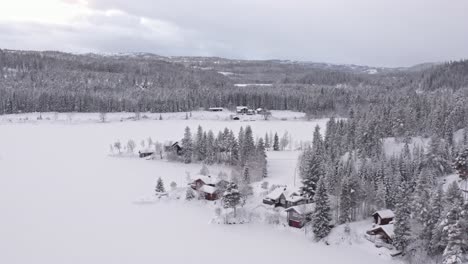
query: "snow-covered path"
63, 200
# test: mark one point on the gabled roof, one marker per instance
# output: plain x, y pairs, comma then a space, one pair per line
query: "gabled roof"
276, 193
205, 179
207, 189
385, 214
303, 208
389, 230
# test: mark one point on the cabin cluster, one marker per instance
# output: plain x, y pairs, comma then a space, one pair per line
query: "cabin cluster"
383, 231
299, 209
244, 110
208, 187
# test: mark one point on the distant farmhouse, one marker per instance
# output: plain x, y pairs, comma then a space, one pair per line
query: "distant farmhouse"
281, 197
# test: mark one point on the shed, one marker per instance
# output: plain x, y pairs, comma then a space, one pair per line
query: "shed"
284, 198
209, 192
299, 215
383, 217
145, 153
383, 233
215, 109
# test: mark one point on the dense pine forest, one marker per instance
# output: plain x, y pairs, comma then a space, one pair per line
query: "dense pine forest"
429, 99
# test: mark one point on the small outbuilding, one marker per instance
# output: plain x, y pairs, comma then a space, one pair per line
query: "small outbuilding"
215, 109
383, 217
299, 215
210, 193
145, 153
382, 234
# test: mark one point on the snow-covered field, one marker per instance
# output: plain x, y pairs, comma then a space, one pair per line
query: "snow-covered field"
64, 200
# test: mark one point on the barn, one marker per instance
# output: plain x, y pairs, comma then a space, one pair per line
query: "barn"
383, 217
300, 215
242, 109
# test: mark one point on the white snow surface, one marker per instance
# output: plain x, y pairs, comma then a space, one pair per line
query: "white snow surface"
63, 199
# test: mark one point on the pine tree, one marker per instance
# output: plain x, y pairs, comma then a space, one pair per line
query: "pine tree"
453, 196
321, 217
267, 141
422, 195
461, 163
199, 148
231, 197
276, 143
435, 213
402, 218
453, 253
345, 201
210, 148
261, 157
160, 186
187, 146
189, 194
310, 171
248, 146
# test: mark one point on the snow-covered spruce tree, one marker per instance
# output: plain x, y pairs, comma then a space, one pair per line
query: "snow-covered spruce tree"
160, 186
233, 149
267, 141
231, 197
402, 219
261, 157
380, 202
310, 171
248, 146
321, 217
461, 163
464, 226
276, 143
210, 148
189, 194
317, 141
435, 212
199, 146
187, 146
440, 236
345, 201
453, 195
422, 194
453, 253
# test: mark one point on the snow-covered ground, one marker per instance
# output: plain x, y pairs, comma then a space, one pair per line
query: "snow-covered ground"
64, 200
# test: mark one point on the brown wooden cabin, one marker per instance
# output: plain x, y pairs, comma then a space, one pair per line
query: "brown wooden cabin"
210, 193
215, 109
144, 154
383, 217
299, 215
176, 148
383, 234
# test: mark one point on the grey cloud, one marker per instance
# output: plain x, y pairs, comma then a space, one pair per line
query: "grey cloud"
380, 33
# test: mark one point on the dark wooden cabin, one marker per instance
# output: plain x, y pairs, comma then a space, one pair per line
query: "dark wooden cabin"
300, 215
383, 217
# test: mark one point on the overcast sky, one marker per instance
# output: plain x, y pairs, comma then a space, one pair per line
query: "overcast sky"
367, 32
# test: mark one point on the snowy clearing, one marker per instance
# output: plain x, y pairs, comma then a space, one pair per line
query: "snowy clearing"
64, 200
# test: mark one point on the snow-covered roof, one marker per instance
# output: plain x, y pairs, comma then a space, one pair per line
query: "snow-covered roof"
303, 208
387, 229
238, 108
207, 189
276, 193
290, 194
385, 214
205, 179
295, 198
